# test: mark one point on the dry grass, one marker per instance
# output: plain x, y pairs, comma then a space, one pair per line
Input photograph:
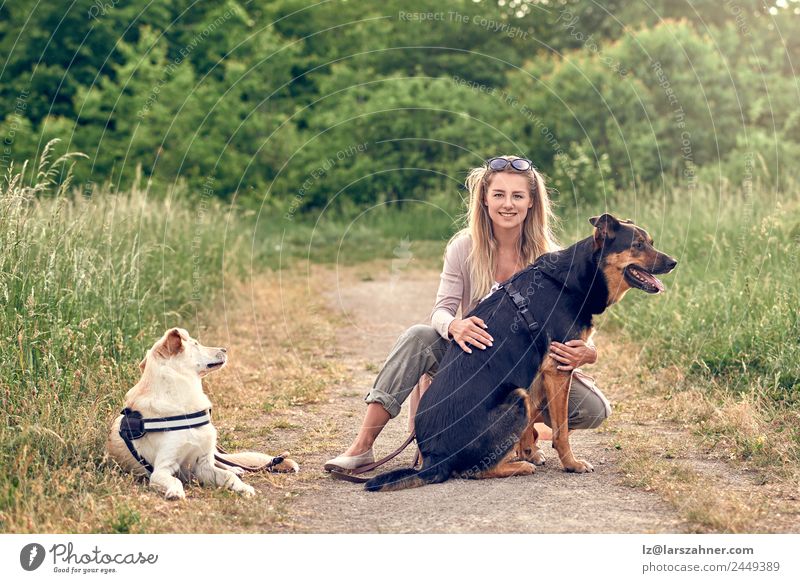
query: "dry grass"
703, 494
720, 460
275, 366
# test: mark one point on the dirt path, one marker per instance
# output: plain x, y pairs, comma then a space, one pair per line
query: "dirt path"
377, 306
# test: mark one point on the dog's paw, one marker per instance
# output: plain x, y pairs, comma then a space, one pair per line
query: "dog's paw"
246, 490
580, 467
286, 466
526, 469
175, 493
237, 471
533, 455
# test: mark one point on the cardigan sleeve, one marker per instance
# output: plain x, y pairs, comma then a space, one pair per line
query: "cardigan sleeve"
451, 288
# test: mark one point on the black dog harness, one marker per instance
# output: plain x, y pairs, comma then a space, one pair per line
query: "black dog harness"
133, 427
522, 307
521, 302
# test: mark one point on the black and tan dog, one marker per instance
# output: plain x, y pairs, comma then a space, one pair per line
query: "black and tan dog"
475, 412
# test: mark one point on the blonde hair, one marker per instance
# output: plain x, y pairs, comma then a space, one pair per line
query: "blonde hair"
535, 239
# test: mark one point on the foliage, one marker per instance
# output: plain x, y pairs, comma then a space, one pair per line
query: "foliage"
258, 96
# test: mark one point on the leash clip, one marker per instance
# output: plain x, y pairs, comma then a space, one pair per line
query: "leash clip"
521, 302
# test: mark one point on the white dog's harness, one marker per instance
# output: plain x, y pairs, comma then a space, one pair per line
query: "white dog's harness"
133, 426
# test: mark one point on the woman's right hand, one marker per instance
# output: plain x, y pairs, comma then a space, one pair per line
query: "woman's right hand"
470, 331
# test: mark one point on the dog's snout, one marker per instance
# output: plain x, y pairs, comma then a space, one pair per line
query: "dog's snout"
663, 263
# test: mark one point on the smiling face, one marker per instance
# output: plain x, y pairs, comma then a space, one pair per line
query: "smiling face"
183, 353
508, 199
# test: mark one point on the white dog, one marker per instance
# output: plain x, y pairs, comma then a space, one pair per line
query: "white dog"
165, 429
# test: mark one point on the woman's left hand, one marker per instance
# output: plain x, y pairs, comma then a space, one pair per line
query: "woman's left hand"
573, 354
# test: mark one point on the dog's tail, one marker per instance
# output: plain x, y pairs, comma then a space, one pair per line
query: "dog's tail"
406, 478
252, 461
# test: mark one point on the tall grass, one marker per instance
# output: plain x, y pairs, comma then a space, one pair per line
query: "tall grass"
731, 308
86, 284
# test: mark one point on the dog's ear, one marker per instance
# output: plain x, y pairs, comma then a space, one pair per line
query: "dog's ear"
144, 361
172, 343
605, 228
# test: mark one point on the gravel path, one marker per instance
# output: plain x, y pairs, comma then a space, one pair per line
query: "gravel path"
377, 306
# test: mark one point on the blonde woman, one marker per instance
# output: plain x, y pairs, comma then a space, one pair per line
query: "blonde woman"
509, 226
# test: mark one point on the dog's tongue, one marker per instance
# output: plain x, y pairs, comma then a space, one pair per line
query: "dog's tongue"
652, 280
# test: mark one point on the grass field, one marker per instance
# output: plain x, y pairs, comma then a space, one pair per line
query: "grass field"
88, 282
729, 321
731, 310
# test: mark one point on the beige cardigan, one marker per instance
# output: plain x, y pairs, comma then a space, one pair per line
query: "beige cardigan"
454, 286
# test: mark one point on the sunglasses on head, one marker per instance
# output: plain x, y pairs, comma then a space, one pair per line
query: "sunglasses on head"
520, 164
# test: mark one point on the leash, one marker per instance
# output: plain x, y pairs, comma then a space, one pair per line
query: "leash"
267, 466
353, 475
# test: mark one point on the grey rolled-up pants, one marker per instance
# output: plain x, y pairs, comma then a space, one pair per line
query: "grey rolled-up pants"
420, 349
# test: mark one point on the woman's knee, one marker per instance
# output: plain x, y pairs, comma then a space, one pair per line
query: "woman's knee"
423, 334
591, 412
588, 407
590, 419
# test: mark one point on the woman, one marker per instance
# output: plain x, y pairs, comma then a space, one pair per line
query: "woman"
508, 228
